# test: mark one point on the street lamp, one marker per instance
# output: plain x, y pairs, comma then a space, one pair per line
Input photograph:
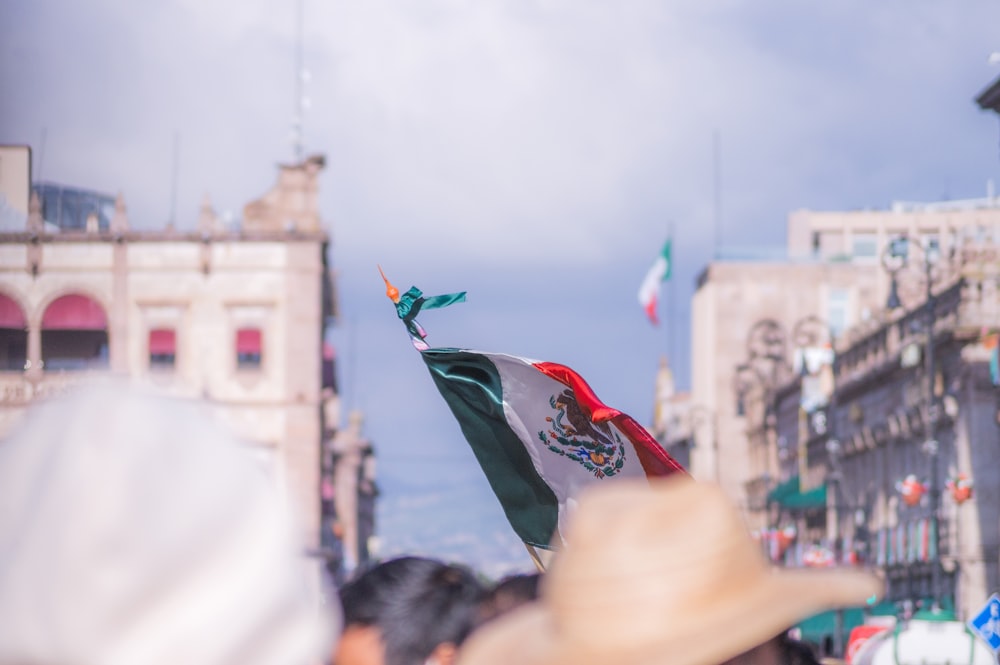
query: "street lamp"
895, 258
763, 366
835, 475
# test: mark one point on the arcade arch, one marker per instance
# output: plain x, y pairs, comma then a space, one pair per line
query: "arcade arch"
74, 334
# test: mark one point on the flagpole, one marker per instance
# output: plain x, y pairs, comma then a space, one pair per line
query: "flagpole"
670, 299
535, 557
717, 192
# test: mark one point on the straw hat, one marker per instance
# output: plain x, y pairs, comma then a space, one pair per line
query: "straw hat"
660, 572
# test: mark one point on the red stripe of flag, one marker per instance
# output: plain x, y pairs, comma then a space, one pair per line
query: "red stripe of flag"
654, 459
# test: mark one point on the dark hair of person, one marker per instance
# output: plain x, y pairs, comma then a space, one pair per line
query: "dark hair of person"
508, 594
416, 603
789, 652
795, 652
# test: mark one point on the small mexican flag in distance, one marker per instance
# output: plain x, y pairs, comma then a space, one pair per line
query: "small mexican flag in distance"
649, 290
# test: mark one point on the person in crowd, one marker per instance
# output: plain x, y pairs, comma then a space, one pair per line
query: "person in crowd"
780, 650
133, 530
508, 594
408, 611
662, 572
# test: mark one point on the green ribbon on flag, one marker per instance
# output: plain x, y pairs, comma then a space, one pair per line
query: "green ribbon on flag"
411, 302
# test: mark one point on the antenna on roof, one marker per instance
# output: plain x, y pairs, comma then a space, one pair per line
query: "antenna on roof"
175, 170
716, 193
41, 155
301, 76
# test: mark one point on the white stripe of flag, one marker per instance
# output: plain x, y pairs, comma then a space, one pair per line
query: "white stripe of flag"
649, 290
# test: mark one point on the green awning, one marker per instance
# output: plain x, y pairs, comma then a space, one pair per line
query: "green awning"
814, 498
886, 608
821, 626
785, 489
935, 615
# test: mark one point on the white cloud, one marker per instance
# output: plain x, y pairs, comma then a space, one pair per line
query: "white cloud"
531, 151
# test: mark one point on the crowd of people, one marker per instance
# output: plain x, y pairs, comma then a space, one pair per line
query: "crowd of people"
660, 572
133, 531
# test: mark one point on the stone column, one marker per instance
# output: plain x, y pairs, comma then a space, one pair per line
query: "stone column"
118, 314
347, 446
33, 369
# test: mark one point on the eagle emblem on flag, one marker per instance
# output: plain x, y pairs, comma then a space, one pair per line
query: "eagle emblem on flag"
596, 446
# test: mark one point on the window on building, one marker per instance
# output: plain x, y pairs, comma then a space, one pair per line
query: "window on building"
864, 246
931, 243
816, 242
162, 348
837, 311
248, 348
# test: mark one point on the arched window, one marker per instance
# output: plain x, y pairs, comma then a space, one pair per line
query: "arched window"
13, 335
74, 334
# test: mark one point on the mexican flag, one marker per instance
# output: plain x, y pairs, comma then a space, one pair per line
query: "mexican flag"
649, 290
541, 435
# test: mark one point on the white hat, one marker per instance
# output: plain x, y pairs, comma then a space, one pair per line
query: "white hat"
133, 531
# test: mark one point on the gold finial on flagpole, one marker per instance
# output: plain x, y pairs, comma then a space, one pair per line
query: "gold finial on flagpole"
390, 291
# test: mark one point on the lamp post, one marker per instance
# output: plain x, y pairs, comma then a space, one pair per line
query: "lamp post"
763, 367
751, 378
835, 476
895, 258
808, 334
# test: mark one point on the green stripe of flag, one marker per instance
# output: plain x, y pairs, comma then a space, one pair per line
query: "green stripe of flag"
471, 386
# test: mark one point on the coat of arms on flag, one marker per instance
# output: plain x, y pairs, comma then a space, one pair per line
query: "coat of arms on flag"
594, 445
538, 431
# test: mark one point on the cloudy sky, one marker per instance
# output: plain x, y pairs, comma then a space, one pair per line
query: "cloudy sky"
532, 152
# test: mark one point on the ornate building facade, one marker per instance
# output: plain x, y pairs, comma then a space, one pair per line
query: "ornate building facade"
897, 467
233, 316
750, 315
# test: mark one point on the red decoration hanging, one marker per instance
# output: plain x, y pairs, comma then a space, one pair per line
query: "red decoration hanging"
818, 556
960, 487
912, 490
786, 537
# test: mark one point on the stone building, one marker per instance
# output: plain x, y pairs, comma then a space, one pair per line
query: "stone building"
857, 476
674, 416
231, 315
743, 316
751, 311
350, 491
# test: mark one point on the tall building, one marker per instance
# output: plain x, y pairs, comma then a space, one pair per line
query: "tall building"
863, 476
15, 186
233, 316
751, 316
848, 393
989, 99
